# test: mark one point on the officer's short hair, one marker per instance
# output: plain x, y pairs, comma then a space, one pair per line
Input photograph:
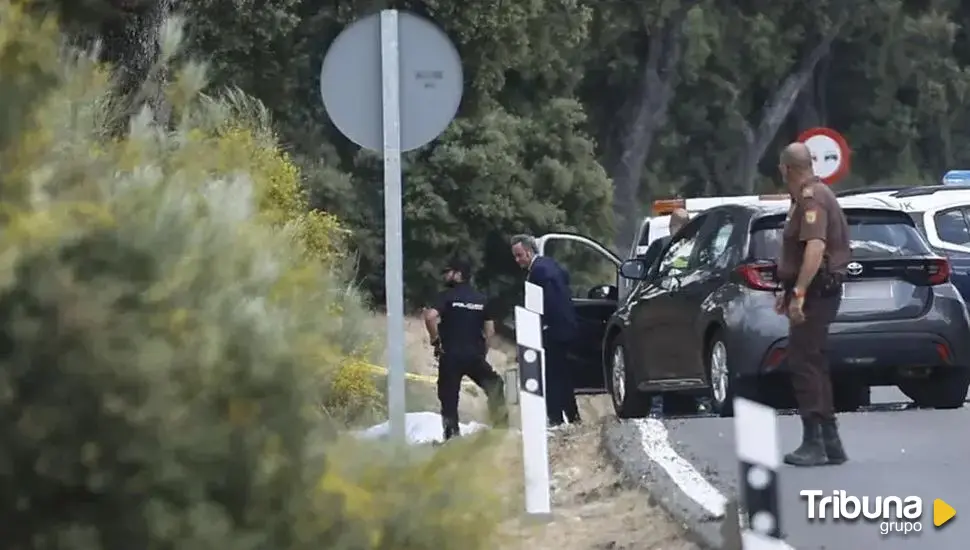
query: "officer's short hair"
461, 266
796, 155
527, 241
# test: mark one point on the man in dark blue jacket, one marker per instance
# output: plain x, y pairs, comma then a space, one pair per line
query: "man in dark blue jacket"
559, 327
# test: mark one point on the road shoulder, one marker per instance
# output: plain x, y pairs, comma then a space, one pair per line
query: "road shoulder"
594, 507
640, 452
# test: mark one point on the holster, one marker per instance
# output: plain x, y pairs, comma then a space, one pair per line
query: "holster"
825, 285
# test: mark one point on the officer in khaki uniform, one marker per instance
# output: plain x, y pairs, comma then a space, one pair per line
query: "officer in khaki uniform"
815, 253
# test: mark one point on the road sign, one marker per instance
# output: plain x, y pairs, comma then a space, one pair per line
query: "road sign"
830, 153
957, 177
429, 88
392, 82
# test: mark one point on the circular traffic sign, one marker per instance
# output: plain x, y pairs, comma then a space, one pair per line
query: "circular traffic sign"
430, 82
830, 153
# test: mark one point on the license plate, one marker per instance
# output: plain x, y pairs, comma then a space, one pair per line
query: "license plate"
867, 290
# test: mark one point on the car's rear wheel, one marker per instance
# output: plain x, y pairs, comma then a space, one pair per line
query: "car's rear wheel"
628, 402
679, 403
944, 388
724, 386
850, 394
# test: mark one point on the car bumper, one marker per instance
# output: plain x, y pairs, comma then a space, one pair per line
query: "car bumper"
755, 334
884, 350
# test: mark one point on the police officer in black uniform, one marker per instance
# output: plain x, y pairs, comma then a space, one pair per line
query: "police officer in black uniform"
460, 329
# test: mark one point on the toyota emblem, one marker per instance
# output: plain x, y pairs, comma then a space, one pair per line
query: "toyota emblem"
854, 268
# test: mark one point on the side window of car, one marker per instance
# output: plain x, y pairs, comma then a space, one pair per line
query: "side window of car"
677, 257
714, 250
951, 226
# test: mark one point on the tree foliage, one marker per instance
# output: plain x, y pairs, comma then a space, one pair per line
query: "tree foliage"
675, 98
178, 343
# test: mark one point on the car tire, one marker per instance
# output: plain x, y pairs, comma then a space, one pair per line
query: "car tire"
628, 402
850, 395
945, 388
724, 387
679, 403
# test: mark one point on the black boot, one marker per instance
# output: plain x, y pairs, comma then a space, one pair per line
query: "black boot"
812, 450
451, 428
833, 443
498, 410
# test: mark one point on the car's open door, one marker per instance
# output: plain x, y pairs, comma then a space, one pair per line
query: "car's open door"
595, 302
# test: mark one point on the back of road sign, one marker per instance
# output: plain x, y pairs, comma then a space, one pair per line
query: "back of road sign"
431, 81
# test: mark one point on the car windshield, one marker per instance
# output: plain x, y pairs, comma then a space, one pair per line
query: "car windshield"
872, 234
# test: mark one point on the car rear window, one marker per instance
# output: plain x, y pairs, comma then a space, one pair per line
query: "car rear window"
872, 234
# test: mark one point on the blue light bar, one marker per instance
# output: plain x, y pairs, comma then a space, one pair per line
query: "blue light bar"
957, 177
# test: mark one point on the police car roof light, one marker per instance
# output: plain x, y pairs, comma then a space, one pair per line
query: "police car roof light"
956, 177
667, 206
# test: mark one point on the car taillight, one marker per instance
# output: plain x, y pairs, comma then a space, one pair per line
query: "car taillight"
759, 276
775, 358
943, 352
938, 271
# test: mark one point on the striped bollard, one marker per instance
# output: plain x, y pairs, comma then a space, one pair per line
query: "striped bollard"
756, 437
532, 402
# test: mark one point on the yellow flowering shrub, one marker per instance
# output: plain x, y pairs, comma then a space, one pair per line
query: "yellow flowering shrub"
353, 389
172, 323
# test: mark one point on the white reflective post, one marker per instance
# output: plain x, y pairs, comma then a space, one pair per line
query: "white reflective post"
532, 402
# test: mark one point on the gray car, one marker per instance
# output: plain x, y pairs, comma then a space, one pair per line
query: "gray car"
701, 321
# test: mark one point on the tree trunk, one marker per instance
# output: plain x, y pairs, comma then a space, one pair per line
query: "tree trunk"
775, 111
806, 111
811, 109
643, 113
821, 83
131, 45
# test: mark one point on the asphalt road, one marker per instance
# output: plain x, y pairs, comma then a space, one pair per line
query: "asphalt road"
690, 465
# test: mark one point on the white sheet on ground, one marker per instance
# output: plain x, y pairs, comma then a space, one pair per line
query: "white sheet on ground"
421, 427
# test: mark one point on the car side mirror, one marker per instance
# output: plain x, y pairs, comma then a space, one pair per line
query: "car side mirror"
603, 292
634, 269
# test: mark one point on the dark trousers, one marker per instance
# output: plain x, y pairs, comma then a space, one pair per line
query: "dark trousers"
560, 389
807, 359
451, 370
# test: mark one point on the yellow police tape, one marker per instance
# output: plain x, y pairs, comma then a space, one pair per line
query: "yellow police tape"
413, 377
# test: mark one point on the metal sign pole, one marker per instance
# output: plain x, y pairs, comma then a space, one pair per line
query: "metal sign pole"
393, 224
411, 78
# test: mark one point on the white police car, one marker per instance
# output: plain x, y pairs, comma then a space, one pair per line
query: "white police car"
942, 214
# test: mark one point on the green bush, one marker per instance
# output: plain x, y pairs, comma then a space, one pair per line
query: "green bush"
172, 324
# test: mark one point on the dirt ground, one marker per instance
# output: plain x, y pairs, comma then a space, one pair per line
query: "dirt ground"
592, 509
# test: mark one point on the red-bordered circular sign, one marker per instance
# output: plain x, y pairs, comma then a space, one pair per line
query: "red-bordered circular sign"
830, 153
